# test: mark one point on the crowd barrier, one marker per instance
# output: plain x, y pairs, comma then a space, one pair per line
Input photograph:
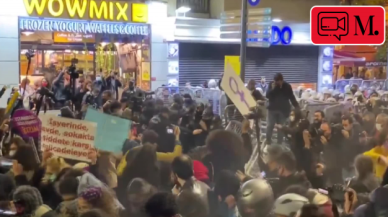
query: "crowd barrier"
212, 97
375, 84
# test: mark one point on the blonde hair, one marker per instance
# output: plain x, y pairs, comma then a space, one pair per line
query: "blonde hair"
57, 164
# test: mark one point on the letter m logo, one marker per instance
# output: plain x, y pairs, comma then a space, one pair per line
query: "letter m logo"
359, 24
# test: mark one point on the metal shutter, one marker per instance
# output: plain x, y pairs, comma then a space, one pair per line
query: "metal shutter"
200, 62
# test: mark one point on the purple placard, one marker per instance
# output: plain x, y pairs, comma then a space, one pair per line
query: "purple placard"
26, 123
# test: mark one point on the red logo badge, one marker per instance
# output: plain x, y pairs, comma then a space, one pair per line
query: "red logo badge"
347, 25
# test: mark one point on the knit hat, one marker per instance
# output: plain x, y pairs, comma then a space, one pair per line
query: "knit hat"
91, 194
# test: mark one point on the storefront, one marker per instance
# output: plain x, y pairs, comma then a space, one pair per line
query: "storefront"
203, 44
107, 36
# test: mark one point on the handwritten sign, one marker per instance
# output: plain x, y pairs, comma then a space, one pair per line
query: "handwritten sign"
234, 61
236, 91
112, 131
67, 138
26, 123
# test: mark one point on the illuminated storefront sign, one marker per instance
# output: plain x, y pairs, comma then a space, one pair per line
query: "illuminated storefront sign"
281, 36
88, 9
81, 26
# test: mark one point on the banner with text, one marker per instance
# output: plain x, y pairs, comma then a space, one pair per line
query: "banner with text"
235, 89
68, 138
26, 123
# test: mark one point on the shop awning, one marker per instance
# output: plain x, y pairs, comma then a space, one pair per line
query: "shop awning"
347, 59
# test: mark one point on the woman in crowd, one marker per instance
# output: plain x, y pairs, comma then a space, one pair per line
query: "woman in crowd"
97, 198
379, 154
365, 180
226, 152
138, 192
26, 169
144, 165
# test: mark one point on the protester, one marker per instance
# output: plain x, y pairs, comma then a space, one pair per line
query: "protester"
379, 154
162, 204
139, 192
95, 197
28, 202
365, 180
183, 170
279, 95
226, 152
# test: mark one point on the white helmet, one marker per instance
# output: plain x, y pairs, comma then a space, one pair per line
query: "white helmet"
212, 83
308, 90
305, 95
289, 204
331, 99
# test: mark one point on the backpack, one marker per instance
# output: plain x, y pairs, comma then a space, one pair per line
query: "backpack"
379, 206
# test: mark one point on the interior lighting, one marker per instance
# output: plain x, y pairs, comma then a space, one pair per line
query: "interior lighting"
276, 20
183, 9
27, 33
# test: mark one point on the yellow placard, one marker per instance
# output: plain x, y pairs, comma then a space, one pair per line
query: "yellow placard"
12, 102
145, 71
234, 62
139, 13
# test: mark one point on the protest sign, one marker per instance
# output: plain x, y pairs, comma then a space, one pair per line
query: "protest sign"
67, 138
237, 92
26, 123
112, 131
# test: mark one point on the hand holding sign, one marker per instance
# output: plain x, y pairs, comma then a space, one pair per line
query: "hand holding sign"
236, 91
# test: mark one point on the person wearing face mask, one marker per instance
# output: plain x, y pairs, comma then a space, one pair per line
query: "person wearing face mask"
294, 134
381, 123
280, 94
330, 141
288, 174
255, 93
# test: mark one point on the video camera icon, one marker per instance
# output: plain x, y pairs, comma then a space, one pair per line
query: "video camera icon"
333, 24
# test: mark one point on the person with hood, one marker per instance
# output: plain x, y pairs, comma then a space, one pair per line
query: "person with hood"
28, 202
280, 94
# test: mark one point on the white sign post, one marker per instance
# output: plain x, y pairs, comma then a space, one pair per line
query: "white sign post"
236, 91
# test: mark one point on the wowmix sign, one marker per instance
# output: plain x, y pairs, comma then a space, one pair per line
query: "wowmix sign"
102, 10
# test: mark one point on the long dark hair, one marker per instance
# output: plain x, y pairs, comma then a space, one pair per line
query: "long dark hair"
144, 166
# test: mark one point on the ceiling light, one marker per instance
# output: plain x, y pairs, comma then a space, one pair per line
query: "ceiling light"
27, 33
276, 20
183, 9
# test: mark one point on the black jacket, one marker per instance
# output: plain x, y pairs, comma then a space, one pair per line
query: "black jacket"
280, 97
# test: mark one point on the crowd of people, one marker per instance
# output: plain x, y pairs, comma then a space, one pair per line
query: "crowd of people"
178, 160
